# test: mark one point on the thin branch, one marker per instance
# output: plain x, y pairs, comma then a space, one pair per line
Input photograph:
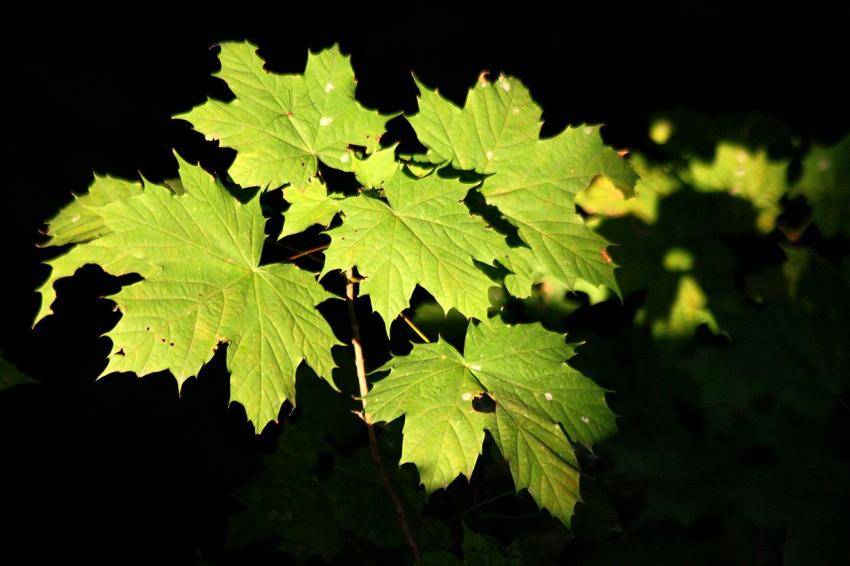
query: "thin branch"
360, 365
415, 328
359, 360
509, 517
482, 504
311, 251
351, 540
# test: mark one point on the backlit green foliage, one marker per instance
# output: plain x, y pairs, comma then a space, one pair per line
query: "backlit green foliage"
724, 334
198, 251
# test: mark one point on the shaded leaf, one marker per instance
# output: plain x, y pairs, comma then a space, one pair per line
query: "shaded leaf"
826, 185
479, 550
360, 502
287, 501
745, 173
10, 376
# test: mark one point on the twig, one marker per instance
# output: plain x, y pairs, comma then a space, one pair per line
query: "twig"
311, 251
360, 365
482, 504
509, 517
415, 328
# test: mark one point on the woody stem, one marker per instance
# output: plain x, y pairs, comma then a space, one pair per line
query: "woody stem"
360, 365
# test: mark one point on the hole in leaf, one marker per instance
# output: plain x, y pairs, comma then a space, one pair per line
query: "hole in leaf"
495, 220
483, 403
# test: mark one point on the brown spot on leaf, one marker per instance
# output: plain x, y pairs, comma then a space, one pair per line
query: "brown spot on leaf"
605, 256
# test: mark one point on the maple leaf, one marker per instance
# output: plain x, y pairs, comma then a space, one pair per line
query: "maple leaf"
378, 168
286, 503
481, 550
199, 254
493, 123
747, 174
602, 199
792, 348
533, 182
541, 403
282, 125
77, 222
423, 235
11, 376
826, 185
310, 204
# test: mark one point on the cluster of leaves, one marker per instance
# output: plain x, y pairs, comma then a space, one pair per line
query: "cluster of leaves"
724, 335
489, 206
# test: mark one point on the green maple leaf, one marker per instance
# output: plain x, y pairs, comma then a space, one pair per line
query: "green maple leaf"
533, 182
367, 512
443, 435
282, 125
80, 222
77, 222
11, 376
377, 169
199, 255
541, 404
826, 185
792, 348
748, 174
481, 550
602, 199
286, 501
310, 204
423, 235
493, 124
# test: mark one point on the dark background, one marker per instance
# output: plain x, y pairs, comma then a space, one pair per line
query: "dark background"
94, 89
105, 472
